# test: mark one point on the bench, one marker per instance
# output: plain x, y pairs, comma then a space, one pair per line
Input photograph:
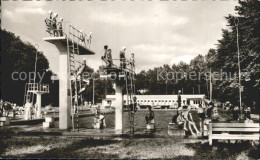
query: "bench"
233, 131
174, 130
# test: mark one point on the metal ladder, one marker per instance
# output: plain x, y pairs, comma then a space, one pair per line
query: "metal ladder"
73, 51
130, 92
27, 95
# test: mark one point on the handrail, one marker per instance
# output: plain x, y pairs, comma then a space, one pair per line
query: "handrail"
38, 87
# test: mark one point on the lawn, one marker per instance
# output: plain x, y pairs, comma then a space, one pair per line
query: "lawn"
137, 148
82, 147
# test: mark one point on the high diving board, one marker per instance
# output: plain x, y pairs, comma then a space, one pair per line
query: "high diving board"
113, 69
82, 49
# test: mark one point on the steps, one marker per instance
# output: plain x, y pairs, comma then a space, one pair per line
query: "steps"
49, 122
4, 121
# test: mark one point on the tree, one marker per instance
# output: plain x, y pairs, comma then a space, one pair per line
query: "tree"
18, 56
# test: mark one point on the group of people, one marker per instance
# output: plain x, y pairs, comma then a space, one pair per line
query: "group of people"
246, 111
6, 107
236, 113
53, 26
185, 121
85, 38
107, 58
30, 110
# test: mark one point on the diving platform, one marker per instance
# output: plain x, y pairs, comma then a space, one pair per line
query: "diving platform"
38, 88
83, 50
115, 73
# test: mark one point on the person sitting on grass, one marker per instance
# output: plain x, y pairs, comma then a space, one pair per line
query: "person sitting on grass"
188, 117
149, 116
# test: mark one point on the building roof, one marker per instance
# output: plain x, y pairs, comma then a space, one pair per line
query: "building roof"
184, 96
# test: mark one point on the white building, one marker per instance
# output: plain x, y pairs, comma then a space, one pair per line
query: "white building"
159, 101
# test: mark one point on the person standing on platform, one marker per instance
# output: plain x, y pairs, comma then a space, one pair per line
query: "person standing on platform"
59, 24
132, 60
54, 25
104, 55
122, 58
109, 58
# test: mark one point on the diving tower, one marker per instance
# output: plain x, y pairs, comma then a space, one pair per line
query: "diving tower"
122, 77
70, 45
38, 89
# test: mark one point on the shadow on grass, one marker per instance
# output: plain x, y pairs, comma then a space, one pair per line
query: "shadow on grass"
222, 150
68, 151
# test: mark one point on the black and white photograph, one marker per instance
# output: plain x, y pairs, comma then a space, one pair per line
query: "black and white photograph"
130, 79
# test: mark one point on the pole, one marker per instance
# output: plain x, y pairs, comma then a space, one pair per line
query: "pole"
35, 67
93, 100
166, 92
239, 71
199, 89
210, 87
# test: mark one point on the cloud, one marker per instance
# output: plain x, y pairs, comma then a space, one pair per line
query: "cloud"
184, 58
118, 18
20, 14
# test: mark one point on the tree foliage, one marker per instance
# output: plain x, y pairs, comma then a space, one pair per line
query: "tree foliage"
222, 59
18, 56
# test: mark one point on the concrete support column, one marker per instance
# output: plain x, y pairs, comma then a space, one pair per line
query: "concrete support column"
39, 104
119, 109
64, 91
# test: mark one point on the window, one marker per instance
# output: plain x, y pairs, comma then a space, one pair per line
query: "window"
148, 101
141, 100
155, 101
166, 101
159, 101
144, 100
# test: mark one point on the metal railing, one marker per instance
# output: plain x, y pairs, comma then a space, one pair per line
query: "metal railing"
58, 29
123, 63
38, 87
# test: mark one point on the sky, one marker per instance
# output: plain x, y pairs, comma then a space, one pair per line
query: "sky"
158, 32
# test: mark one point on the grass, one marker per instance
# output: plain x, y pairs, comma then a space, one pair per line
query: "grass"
82, 147
138, 148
